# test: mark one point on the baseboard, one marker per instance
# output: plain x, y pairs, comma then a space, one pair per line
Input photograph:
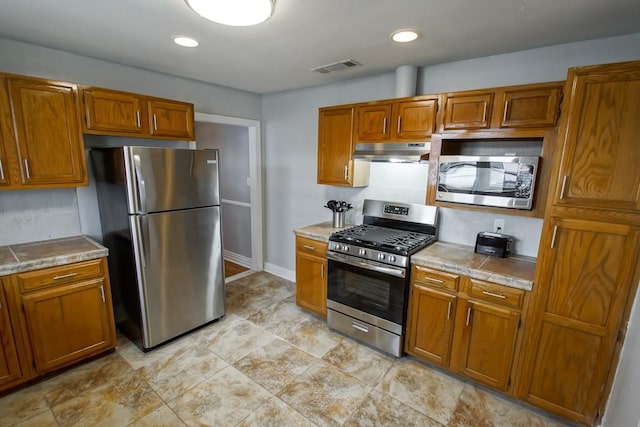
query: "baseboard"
238, 259
280, 272
238, 276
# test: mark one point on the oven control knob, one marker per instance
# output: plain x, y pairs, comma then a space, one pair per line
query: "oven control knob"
345, 248
362, 252
392, 258
337, 246
381, 256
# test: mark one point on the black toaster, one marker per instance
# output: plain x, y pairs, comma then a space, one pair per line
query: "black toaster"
494, 244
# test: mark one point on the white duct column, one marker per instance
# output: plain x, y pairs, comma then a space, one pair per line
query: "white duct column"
406, 79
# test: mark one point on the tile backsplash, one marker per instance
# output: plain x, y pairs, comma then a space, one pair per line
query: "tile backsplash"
32, 215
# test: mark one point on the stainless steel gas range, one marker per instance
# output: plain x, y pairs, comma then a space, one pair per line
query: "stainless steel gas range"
368, 274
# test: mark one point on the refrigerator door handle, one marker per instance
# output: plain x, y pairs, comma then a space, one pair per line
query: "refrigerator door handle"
141, 231
142, 192
146, 246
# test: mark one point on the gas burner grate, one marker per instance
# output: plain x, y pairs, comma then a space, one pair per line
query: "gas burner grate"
398, 241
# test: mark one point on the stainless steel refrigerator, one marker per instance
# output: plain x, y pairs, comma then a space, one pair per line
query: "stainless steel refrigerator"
160, 219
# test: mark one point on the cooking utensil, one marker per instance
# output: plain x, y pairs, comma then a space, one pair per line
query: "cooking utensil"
338, 206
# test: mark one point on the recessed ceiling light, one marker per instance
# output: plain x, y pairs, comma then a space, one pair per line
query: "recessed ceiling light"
185, 41
403, 36
239, 13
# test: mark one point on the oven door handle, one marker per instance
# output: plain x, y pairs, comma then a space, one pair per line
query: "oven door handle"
356, 262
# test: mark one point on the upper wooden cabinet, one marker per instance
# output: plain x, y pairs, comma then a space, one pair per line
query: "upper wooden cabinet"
467, 110
110, 112
335, 146
171, 119
373, 122
45, 148
406, 119
4, 163
537, 106
524, 106
415, 119
599, 135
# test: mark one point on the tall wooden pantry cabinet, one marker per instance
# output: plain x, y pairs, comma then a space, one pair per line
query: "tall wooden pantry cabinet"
588, 263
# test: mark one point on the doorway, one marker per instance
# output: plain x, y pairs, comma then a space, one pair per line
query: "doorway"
240, 184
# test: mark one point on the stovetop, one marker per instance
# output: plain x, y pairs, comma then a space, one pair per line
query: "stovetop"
385, 239
391, 232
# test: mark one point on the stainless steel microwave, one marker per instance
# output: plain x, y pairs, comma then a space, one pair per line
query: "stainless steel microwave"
499, 181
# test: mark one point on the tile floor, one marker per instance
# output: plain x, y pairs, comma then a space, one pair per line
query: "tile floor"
267, 363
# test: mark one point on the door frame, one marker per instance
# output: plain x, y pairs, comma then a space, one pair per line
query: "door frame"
255, 179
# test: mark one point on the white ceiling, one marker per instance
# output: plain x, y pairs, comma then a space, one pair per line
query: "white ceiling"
279, 53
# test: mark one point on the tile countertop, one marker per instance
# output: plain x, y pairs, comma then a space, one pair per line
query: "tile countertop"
516, 271
48, 253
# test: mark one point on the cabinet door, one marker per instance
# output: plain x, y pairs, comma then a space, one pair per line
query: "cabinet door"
69, 323
373, 122
335, 145
468, 111
112, 111
47, 133
535, 107
311, 283
4, 164
485, 342
599, 139
9, 363
430, 326
415, 119
171, 119
587, 273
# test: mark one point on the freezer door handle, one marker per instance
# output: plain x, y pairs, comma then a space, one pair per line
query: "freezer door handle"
142, 191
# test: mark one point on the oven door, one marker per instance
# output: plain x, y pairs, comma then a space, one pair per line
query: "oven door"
373, 288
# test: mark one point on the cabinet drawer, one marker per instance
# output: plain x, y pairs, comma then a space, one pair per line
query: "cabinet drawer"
61, 274
310, 246
495, 293
435, 278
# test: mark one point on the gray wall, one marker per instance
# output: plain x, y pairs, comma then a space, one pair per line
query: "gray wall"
233, 143
42, 214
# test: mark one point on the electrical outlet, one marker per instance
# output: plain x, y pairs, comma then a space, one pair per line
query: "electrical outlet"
498, 225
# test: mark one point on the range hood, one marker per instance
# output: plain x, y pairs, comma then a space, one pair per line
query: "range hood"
399, 152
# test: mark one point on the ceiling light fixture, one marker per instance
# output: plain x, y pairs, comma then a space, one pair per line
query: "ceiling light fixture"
185, 41
238, 13
404, 36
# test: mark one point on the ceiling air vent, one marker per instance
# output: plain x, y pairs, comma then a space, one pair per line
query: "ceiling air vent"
336, 66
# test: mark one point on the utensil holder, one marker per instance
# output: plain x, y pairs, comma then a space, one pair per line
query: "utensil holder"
338, 219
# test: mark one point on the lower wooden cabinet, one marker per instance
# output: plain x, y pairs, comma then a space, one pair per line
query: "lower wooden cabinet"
57, 316
10, 369
577, 326
472, 328
311, 275
431, 324
68, 323
485, 341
